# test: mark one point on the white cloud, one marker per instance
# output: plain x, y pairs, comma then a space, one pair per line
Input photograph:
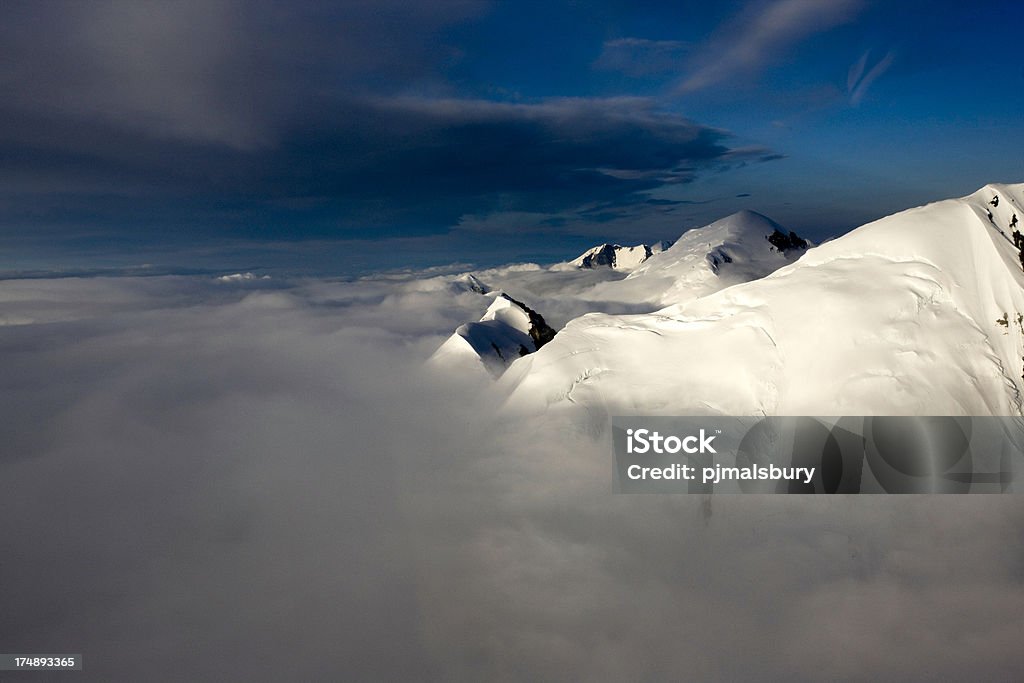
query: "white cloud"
858, 82
640, 57
198, 478
760, 35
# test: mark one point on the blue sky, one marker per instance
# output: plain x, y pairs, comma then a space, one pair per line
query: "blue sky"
338, 137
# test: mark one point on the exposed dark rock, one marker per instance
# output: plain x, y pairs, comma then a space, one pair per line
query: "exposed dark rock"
607, 255
540, 332
786, 243
602, 256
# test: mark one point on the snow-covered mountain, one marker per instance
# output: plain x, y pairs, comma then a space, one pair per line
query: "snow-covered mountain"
468, 282
508, 330
921, 312
617, 256
734, 249
738, 248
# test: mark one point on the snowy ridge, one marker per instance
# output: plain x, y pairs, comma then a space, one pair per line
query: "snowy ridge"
507, 331
921, 312
616, 256
468, 282
734, 249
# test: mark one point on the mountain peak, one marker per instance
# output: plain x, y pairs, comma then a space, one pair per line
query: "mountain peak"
616, 256
509, 329
740, 247
915, 313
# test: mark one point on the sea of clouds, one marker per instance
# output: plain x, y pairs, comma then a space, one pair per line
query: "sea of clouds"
252, 479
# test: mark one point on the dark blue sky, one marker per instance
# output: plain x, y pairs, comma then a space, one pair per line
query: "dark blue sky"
334, 137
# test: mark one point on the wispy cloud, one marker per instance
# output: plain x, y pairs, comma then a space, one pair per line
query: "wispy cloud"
638, 57
858, 82
759, 35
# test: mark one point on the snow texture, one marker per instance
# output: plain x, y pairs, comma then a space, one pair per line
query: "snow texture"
918, 313
508, 330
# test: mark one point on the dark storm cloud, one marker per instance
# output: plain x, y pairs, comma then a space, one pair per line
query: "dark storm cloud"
369, 161
445, 158
219, 71
282, 121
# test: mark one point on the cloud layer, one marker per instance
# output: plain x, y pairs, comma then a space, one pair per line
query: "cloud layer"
201, 475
